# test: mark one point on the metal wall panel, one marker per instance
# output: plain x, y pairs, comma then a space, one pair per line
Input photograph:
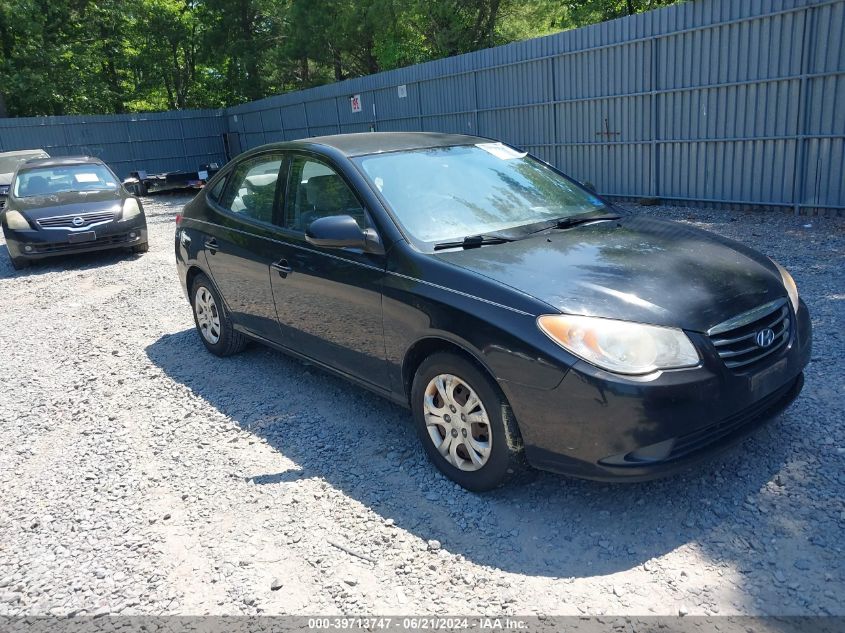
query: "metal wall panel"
524, 126
293, 117
824, 173
323, 113
390, 106
155, 142
515, 85
612, 169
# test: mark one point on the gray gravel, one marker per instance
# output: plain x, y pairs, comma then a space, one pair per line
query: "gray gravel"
139, 474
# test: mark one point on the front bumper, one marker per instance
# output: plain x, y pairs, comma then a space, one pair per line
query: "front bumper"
42, 243
598, 425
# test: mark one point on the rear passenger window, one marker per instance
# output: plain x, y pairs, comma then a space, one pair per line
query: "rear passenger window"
251, 189
217, 189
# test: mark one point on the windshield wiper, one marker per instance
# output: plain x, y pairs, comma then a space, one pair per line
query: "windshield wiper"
474, 241
573, 220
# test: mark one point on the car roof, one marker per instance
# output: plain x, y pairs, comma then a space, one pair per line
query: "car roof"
22, 152
60, 161
359, 144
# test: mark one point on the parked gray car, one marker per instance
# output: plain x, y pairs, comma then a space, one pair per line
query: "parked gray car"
9, 161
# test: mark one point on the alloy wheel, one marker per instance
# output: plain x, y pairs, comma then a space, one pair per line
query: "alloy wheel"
457, 422
208, 317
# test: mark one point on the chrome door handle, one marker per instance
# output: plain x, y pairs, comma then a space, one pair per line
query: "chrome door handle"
282, 267
211, 245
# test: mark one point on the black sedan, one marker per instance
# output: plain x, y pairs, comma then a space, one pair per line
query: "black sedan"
521, 317
69, 205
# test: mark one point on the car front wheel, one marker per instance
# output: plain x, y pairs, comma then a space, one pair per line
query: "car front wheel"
212, 322
464, 423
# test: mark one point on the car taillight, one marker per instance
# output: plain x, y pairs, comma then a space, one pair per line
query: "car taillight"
178, 219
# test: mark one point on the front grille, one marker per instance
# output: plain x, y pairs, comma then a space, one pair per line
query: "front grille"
66, 221
735, 340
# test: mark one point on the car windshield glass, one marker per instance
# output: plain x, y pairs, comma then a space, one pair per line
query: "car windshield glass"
8, 164
448, 193
49, 180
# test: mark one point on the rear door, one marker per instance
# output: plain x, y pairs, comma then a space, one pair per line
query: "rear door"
329, 303
242, 243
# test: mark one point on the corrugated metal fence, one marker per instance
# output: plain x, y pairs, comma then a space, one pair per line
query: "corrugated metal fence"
712, 100
721, 101
155, 142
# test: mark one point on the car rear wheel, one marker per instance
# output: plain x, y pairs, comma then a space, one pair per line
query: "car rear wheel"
464, 423
212, 321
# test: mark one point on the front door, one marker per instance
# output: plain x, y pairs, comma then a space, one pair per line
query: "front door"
241, 245
329, 304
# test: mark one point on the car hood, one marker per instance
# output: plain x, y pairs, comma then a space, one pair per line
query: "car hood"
636, 269
68, 203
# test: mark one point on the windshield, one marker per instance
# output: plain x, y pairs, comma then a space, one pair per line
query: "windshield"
448, 193
8, 164
44, 181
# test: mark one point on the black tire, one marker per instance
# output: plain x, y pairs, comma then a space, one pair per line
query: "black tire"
505, 456
141, 248
19, 263
229, 341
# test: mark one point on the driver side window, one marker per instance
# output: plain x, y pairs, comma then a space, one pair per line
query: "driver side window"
315, 191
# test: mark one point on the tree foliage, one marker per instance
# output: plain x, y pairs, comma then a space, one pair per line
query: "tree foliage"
112, 56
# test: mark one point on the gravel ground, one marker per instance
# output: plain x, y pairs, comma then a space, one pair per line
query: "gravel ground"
139, 474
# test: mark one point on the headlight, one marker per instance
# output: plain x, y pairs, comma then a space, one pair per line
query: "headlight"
789, 284
16, 222
131, 208
620, 346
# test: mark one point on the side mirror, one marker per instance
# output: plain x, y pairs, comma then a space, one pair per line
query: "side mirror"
341, 231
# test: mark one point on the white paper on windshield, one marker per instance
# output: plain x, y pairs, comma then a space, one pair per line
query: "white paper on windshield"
83, 177
501, 151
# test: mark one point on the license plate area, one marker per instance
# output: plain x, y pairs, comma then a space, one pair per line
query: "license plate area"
770, 379
85, 236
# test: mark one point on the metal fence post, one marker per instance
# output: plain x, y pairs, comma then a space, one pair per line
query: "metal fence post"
130, 144
307, 125
184, 148
655, 121
799, 180
475, 98
553, 105
419, 105
336, 114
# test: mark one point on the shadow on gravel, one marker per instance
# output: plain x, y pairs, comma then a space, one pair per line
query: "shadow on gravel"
547, 525
76, 262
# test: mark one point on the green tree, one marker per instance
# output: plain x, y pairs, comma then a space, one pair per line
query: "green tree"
87, 56
240, 35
